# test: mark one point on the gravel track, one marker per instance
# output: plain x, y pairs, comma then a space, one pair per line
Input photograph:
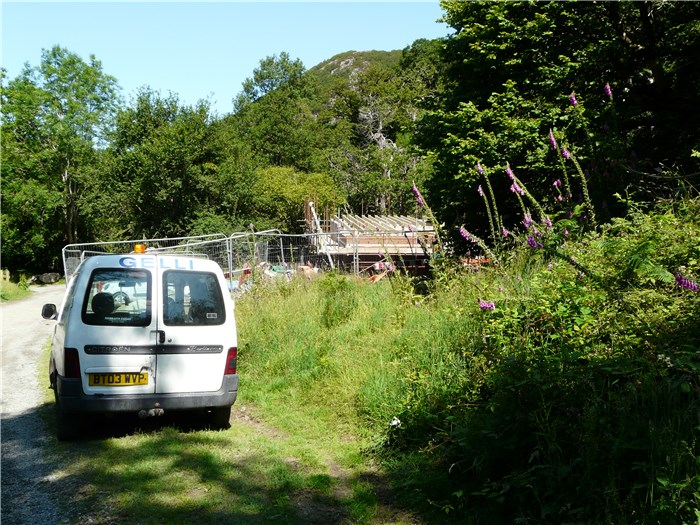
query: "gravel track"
28, 483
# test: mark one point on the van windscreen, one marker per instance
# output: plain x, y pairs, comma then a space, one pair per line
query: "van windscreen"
118, 297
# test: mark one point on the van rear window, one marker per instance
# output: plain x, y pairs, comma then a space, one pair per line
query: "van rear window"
192, 299
118, 297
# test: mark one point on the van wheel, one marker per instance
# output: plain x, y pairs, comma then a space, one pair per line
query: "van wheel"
219, 417
67, 425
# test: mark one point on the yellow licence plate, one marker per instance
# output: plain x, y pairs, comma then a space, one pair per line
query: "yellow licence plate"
118, 379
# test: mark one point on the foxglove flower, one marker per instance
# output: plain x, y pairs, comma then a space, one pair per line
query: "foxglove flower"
527, 220
486, 305
510, 173
504, 232
552, 140
419, 197
557, 183
572, 99
532, 242
547, 222
464, 233
480, 191
565, 153
608, 91
479, 168
517, 189
686, 283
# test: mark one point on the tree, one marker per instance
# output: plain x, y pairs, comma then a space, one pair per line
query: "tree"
273, 73
510, 71
160, 171
274, 115
54, 121
282, 193
375, 111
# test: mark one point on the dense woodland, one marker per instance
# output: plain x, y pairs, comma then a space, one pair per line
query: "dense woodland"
80, 163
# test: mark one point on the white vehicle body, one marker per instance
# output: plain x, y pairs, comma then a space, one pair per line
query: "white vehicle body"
144, 333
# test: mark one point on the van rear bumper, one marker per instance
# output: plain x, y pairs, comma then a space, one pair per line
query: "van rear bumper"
74, 400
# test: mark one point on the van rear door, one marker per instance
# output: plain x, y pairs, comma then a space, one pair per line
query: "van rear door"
117, 332
193, 328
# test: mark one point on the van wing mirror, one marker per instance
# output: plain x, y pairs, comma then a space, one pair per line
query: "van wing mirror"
49, 311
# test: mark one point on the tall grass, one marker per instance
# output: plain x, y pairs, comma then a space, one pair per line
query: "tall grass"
575, 399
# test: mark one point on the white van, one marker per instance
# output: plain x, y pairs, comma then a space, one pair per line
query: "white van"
143, 333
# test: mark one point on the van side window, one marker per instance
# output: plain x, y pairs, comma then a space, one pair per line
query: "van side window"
192, 299
118, 297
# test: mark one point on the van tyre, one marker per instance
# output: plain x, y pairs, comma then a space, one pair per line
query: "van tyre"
67, 425
219, 417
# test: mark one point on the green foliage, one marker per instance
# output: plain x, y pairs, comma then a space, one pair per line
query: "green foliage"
281, 194
574, 400
339, 300
53, 116
510, 69
159, 171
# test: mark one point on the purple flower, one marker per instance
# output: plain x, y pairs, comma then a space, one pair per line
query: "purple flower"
479, 168
486, 305
572, 99
419, 197
557, 183
464, 233
686, 283
547, 222
510, 173
251, 226
517, 189
566, 232
552, 140
565, 153
527, 220
504, 232
410, 228
608, 91
560, 198
480, 191
532, 242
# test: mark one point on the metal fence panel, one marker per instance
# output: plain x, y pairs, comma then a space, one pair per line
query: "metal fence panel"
214, 247
273, 253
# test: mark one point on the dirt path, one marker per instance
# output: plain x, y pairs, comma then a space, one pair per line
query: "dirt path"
27, 491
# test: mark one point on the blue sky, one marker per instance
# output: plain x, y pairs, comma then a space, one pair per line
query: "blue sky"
205, 50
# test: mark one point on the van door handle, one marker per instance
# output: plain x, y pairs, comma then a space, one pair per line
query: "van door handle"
161, 336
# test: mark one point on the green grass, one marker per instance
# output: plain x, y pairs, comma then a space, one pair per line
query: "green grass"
294, 452
10, 291
574, 400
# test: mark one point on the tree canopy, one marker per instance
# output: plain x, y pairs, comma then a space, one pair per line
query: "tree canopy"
613, 82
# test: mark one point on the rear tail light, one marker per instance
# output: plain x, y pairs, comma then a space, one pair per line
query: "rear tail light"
71, 363
231, 359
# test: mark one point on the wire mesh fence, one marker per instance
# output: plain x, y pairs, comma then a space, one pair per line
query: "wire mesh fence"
274, 254
214, 246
